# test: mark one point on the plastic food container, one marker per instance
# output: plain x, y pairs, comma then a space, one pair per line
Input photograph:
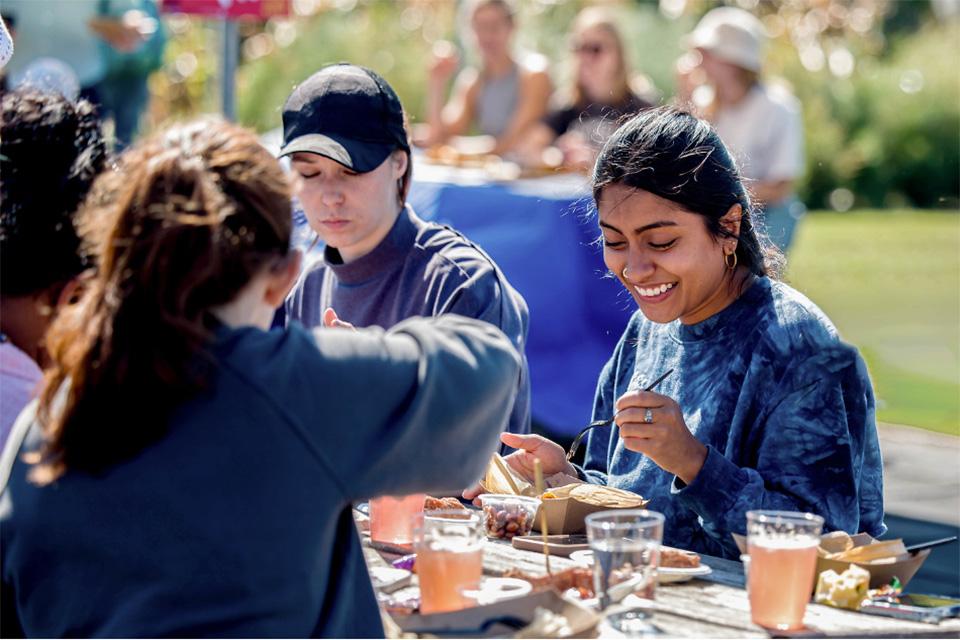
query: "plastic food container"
506, 516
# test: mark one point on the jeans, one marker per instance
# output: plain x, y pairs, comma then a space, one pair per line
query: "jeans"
779, 221
124, 99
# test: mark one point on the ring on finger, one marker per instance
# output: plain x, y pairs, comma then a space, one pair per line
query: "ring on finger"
648, 416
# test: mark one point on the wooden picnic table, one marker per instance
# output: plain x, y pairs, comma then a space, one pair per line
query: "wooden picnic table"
715, 605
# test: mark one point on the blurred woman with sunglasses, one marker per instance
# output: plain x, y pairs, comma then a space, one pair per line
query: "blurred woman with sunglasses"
190, 473
598, 100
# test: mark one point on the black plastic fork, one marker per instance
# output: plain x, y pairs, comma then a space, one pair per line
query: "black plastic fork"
603, 423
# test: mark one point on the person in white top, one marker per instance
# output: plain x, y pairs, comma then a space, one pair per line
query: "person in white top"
759, 122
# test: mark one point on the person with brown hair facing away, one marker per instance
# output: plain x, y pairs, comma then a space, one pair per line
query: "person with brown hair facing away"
191, 473
502, 99
599, 99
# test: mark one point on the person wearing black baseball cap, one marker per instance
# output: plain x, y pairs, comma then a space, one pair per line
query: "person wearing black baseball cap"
343, 129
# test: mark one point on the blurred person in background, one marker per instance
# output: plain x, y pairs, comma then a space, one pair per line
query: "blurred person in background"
189, 473
343, 129
501, 99
60, 29
132, 47
110, 45
760, 122
51, 149
599, 99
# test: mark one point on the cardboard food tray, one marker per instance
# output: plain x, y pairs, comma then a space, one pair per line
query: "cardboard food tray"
555, 547
567, 511
454, 623
903, 566
566, 515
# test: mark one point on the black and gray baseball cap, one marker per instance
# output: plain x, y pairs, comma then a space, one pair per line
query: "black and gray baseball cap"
346, 113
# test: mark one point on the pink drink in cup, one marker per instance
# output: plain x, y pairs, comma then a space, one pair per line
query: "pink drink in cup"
783, 561
391, 518
449, 546
445, 576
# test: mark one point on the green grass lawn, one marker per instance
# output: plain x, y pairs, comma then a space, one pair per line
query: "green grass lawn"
890, 281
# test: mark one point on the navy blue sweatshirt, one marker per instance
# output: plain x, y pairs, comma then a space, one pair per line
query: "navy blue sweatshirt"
419, 269
237, 523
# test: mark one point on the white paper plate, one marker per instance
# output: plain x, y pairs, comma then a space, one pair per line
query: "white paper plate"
497, 589
665, 575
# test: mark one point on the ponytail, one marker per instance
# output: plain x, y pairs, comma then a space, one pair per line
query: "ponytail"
189, 217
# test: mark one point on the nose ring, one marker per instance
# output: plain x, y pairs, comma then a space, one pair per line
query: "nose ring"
624, 274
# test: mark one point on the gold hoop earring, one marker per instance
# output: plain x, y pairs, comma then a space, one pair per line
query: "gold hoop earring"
726, 260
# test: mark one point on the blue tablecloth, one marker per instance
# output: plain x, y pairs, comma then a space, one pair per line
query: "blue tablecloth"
543, 235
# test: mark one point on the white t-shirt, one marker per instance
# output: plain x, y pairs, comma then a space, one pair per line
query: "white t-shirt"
764, 132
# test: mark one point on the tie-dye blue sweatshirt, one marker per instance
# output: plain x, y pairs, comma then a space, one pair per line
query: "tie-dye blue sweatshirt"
786, 411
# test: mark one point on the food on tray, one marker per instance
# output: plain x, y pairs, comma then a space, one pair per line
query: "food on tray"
678, 558
506, 516
839, 546
507, 522
436, 504
546, 624
502, 479
835, 542
602, 496
579, 578
845, 590
890, 592
401, 603
455, 157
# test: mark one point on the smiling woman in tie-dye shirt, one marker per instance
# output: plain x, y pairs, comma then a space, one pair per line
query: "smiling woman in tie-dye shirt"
765, 408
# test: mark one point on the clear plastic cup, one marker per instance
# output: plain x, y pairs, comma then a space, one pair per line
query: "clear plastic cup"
391, 518
449, 547
783, 559
626, 555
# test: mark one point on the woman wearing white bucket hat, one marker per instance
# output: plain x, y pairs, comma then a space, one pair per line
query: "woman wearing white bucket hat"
760, 123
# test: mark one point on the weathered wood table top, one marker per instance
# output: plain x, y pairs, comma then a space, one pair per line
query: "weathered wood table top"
716, 605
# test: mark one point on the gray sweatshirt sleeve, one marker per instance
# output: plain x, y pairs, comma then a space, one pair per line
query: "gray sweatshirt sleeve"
415, 408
